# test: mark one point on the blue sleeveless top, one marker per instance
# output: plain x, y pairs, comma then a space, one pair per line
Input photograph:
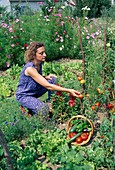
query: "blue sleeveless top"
27, 86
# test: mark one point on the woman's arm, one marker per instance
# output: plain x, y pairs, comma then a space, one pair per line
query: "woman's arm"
32, 72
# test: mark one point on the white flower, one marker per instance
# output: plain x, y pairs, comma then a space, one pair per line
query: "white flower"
47, 20
62, 7
61, 48
86, 18
61, 40
86, 8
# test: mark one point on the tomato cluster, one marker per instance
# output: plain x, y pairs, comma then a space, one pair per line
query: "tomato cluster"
83, 137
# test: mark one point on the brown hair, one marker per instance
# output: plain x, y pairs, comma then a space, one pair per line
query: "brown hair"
31, 51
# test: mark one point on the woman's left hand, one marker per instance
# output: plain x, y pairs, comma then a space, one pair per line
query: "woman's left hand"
49, 77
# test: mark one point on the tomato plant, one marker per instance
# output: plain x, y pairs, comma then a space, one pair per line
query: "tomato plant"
72, 97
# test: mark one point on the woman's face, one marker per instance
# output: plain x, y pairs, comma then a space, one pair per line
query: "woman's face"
40, 54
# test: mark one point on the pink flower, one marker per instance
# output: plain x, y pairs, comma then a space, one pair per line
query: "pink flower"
10, 29
40, 3
55, 0
65, 32
88, 37
93, 35
97, 33
17, 43
59, 15
12, 45
4, 25
62, 23
7, 64
17, 20
8, 56
57, 39
93, 43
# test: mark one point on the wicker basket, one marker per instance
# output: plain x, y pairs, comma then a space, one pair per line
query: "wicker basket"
69, 127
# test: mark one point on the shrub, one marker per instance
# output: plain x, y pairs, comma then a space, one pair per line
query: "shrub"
95, 6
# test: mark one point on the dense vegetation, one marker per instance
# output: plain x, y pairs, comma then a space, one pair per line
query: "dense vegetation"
41, 142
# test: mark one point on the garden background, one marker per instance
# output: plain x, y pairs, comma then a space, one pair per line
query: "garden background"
79, 41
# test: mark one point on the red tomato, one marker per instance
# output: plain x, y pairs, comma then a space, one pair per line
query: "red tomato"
102, 136
80, 96
80, 78
84, 136
58, 93
71, 134
110, 106
79, 140
93, 107
72, 97
97, 104
71, 103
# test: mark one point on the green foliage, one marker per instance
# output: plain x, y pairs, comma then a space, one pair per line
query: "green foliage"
96, 7
53, 147
41, 134
9, 81
17, 125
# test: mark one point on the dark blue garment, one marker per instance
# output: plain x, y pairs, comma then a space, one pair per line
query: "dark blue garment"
29, 90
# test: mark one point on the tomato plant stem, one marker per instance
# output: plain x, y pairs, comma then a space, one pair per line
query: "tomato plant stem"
82, 51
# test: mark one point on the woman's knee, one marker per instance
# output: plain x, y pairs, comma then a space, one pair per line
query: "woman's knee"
44, 109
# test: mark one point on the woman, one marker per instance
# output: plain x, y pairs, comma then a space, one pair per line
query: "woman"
32, 84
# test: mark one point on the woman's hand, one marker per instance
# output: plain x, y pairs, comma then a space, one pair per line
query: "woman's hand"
49, 77
74, 93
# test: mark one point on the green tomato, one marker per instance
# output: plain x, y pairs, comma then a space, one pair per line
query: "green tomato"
108, 44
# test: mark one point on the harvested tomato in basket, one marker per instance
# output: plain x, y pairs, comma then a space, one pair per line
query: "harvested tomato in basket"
79, 140
84, 136
71, 134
